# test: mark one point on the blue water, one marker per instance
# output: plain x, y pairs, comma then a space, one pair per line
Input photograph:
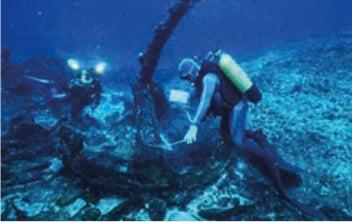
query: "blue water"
117, 30
58, 166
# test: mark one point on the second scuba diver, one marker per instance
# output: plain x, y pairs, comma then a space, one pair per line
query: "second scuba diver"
84, 88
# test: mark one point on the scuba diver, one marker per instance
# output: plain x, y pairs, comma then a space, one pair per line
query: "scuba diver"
224, 89
84, 89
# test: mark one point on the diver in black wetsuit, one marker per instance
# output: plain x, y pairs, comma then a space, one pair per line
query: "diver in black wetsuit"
223, 89
84, 90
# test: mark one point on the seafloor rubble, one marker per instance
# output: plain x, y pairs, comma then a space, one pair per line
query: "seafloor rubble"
53, 169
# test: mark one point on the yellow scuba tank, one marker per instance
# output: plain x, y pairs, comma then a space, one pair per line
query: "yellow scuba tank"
234, 72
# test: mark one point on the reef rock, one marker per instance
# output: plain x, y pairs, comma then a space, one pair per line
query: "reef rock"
27, 154
107, 155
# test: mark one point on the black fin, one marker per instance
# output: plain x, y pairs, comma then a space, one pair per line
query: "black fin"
283, 175
304, 208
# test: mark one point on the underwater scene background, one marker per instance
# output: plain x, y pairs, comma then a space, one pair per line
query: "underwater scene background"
89, 130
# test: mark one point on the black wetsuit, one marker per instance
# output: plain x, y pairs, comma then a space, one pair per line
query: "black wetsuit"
220, 97
224, 96
81, 96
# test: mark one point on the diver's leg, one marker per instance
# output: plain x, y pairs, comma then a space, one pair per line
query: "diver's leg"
76, 108
225, 129
238, 123
257, 149
238, 127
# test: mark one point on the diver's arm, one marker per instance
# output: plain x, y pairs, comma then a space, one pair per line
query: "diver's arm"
56, 95
209, 84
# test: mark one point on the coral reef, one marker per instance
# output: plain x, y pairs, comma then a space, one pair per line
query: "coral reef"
55, 169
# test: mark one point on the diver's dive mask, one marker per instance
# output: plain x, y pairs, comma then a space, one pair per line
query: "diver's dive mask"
188, 69
86, 77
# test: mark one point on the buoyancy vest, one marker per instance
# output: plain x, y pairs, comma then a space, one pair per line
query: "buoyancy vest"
234, 82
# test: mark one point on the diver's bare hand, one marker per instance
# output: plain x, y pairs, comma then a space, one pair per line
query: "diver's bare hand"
191, 135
